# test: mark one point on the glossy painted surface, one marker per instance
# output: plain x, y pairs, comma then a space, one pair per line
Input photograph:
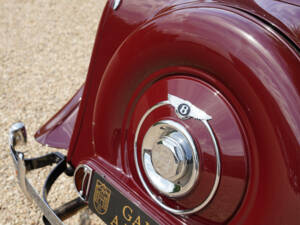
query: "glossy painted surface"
251, 65
57, 132
232, 147
285, 14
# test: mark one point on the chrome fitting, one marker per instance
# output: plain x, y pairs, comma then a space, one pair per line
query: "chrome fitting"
17, 136
170, 158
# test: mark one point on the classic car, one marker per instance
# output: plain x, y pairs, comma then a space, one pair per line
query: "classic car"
190, 114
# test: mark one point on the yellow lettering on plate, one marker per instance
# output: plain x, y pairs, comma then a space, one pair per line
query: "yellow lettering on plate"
115, 221
137, 221
127, 211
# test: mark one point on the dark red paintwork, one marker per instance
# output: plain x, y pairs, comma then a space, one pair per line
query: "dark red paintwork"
57, 132
283, 14
246, 50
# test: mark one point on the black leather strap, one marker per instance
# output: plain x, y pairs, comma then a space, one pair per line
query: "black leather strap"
54, 174
69, 208
46, 160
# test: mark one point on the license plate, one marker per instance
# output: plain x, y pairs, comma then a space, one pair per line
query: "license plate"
114, 208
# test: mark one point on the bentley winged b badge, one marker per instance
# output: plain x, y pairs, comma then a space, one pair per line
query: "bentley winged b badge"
185, 110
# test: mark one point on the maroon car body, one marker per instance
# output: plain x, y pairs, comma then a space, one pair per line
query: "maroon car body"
239, 61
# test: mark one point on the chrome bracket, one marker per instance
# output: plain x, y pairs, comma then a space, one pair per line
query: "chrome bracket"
86, 181
17, 136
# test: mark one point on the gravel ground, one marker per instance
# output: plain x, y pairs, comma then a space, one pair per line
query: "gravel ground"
45, 48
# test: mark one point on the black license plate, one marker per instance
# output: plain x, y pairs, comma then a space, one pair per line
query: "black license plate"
112, 207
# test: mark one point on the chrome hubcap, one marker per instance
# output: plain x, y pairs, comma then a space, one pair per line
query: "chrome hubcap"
170, 158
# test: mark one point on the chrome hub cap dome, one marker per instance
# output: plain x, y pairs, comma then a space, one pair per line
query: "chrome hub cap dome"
170, 158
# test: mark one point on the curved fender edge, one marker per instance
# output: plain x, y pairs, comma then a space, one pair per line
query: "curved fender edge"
57, 132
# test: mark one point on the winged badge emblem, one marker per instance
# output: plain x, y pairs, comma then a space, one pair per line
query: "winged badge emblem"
186, 110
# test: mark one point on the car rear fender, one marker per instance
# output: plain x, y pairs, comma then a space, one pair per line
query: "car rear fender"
57, 132
254, 62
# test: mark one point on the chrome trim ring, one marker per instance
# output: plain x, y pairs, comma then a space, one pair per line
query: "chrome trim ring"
194, 113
